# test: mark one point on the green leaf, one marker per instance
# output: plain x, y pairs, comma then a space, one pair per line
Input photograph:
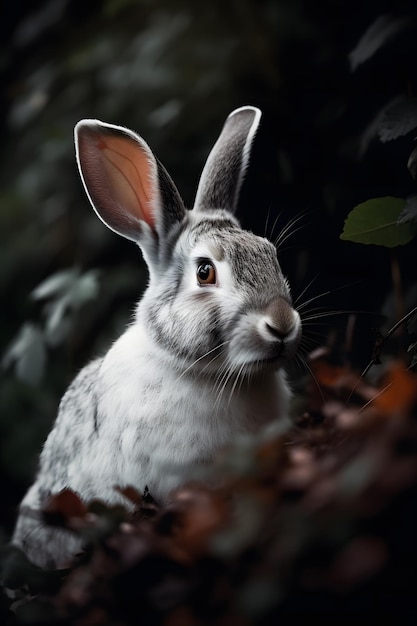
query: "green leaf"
376, 222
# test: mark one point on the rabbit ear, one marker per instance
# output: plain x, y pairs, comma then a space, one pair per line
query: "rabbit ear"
224, 171
129, 190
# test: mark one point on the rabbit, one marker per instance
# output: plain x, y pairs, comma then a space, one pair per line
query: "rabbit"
203, 360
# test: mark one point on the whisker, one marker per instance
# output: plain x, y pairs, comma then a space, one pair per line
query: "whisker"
317, 312
225, 382
289, 230
307, 366
313, 299
326, 293
267, 220
223, 378
278, 243
306, 289
309, 343
319, 315
274, 225
212, 360
203, 357
235, 383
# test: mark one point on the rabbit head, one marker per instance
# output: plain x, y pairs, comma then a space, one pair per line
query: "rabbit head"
217, 299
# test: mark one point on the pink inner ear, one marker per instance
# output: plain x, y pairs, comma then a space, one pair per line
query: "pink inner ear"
131, 176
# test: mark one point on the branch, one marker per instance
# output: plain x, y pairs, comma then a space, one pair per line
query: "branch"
381, 339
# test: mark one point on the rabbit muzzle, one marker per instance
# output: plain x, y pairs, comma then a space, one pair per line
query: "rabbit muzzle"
265, 337
281, 328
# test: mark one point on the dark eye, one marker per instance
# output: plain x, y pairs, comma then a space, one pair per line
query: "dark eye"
206, 274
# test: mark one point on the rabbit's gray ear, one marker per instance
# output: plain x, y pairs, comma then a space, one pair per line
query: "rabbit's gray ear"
128, 188
224, 171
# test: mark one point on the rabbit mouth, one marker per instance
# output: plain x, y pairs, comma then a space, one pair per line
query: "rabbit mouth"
275, 357
275, 361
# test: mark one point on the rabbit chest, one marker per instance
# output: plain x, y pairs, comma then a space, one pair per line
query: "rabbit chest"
154, 423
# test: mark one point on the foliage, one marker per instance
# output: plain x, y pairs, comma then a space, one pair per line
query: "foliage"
65, 292
380, 33
316, 519
377, 221
385, 221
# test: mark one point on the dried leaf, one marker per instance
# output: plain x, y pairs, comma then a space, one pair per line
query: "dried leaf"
398, 392
131, 494
63, 506
358, 561
329, 375
198, 513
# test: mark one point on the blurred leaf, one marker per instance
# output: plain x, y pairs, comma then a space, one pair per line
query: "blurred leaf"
233, 539
28, 354
375, 222
398, 119
58, 323
412, 164
372, 129
131, 494
356, 475
63, 506
37, 611
399, 391
57, 284
113, 7
259, 595
35, 25
69, 291
16, 571
409, 212
383, 30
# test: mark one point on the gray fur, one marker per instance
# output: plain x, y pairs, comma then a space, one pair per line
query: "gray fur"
199, 365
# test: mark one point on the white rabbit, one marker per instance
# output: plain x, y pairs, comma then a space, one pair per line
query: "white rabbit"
202, 361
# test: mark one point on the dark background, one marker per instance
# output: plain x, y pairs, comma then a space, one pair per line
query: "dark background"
172, 70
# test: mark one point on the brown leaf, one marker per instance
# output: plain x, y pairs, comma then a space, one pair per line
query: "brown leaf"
329, 375
131, 494
358, 561
64, 506
398, 393
198, 513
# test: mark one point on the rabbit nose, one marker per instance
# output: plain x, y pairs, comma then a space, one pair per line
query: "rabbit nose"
280, 320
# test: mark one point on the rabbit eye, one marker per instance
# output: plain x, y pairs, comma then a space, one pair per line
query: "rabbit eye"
206, 274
